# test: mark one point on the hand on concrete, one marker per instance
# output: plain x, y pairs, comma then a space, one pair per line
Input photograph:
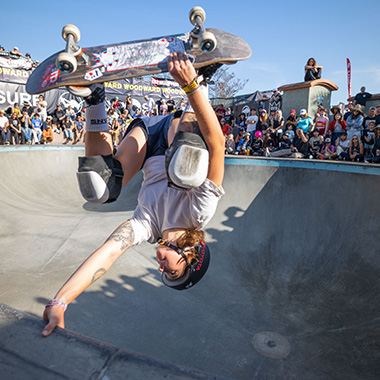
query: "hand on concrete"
55, 316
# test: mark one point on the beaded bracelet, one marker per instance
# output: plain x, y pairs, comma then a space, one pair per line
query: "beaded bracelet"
191, 86
55, 302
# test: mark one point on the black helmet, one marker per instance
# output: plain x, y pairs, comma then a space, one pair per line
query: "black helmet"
193, 272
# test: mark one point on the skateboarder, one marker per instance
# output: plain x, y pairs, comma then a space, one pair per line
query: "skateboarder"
175, 200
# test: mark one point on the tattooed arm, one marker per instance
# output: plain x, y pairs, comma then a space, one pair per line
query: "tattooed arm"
91, 269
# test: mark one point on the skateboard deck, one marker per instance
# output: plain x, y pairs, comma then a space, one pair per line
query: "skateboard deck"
133, 59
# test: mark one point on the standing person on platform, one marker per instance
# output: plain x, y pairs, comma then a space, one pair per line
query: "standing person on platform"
362, 97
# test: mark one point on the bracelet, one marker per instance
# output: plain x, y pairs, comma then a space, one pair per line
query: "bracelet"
191, 86
55, 302
194, 91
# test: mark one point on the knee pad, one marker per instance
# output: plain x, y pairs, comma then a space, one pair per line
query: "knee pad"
100, 178
186, 161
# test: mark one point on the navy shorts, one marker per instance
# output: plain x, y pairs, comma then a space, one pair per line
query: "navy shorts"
156, 134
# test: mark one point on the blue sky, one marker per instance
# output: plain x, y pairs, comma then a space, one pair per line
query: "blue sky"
282, 35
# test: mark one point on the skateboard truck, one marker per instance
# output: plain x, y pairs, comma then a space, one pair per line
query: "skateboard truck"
205, 40
67, 61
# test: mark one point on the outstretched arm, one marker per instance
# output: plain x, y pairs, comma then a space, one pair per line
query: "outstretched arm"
184, 73
92, 268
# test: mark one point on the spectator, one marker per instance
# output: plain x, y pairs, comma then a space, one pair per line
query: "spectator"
230, 144
321, 121
47, 133
305, 122
284, 147
337, 127
42, 105
57, 120
371, 117
150, 104
116, 105
220, 111
341, 144
315, 144
251, 122
68, 127
27, 107
226, 129
4, 129
244, 145
369, 139
239, 136
16, 110
170, 103
362, 97
163, 108
182, 105
70, 113
138, 113
79, 129
15, 51
291, 123
277, 126
355, 150
328, 151
258, 144
275, 100
376, 146
355, 122
333, 111
25, 127
378, 113
312, 70
350, 106
15, 129
242, 122
229, 117
36, 125
264, 122
269, 143
300, 143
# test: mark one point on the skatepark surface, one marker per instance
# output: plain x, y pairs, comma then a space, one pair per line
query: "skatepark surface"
292, 291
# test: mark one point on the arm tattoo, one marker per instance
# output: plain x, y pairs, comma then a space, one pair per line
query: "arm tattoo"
99, 273
124, 234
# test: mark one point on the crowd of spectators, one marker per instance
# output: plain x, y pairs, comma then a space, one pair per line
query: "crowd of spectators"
33, 125
15, 53
347, 134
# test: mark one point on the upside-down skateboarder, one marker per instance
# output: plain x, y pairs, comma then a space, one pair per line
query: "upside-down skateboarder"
175, 201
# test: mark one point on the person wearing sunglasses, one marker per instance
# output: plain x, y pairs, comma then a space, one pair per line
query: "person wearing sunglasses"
355, 150
182, 158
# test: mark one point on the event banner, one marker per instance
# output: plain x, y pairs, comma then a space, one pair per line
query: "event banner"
139, 87
8, 74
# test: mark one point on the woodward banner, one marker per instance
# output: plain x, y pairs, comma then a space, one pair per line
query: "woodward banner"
12, 90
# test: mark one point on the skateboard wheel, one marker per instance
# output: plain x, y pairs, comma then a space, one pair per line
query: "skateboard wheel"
66, 62
197, 11
80, 91
73, 30
207, 42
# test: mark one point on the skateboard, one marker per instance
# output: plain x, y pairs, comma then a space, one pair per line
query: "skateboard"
76, 67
